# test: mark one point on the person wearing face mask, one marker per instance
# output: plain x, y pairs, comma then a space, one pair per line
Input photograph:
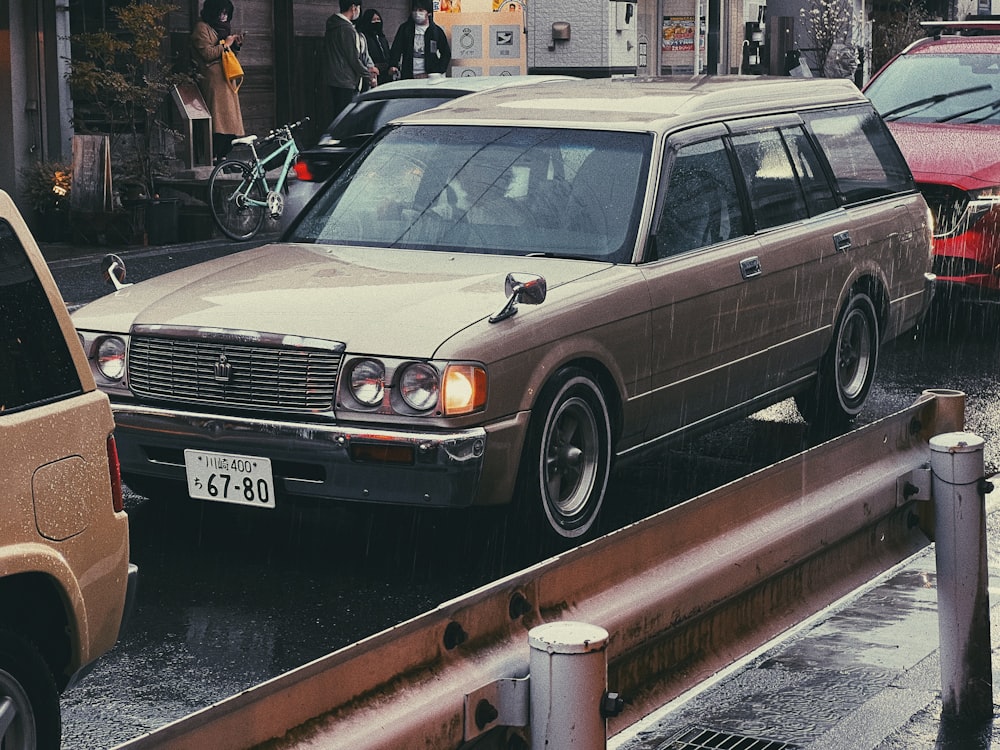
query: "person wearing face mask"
343, 69
420, 47
370, 27
211, 34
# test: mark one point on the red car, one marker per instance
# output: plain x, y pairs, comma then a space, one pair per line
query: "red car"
941, 100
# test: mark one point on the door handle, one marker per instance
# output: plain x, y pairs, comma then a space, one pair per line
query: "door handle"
842, 241
750, 267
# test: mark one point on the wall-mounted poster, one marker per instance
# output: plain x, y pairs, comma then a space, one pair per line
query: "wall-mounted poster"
678, 33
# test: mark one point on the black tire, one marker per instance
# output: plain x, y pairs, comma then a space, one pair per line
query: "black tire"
29, 701
567, 457
847, 370
227, 188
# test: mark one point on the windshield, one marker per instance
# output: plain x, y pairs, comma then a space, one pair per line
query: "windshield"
959, 88
489, 190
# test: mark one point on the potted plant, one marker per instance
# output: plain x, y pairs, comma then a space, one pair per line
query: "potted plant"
45, 187
121, 74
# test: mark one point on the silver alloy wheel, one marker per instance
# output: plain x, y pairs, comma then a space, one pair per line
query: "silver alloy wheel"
17, 719
854, 352
572, 455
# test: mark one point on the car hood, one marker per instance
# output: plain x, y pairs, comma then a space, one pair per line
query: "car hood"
376, 301
962, 155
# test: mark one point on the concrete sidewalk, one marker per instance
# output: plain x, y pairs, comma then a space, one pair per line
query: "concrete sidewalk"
863, 673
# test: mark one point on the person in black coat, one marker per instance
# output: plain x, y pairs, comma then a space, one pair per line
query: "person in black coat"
370, 25
420, 46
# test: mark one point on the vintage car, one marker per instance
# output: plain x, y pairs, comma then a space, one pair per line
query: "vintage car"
66, 584
498, 298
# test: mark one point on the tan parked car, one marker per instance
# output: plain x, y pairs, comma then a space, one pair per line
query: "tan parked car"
65, 578
502, 296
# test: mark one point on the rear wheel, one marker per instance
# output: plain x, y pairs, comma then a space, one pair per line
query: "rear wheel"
847, 370
567, 458
29, 701
229, 187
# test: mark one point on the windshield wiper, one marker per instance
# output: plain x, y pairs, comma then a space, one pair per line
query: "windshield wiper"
991, 108
929, 100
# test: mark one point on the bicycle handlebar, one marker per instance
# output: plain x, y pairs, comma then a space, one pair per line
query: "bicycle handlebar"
285, 131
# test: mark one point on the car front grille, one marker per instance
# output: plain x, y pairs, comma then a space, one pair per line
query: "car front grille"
234, 375
948, 206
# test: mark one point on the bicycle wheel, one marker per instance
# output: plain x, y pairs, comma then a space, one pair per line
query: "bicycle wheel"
229, 187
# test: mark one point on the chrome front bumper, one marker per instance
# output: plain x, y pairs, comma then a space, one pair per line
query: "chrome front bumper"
310, 460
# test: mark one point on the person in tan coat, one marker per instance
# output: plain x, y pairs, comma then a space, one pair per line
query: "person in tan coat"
210, 36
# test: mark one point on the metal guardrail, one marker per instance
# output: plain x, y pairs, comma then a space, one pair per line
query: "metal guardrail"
681, 594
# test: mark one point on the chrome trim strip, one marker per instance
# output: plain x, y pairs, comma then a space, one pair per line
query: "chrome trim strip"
315, 431
236, 336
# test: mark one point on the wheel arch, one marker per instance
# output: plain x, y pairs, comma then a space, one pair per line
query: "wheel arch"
870, 283
36, 609
605, 381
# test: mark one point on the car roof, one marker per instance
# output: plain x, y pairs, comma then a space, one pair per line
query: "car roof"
642, 103
441, 86
957, 37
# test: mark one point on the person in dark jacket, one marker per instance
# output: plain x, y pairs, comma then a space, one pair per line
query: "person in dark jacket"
420, 47
343, 69
370, 27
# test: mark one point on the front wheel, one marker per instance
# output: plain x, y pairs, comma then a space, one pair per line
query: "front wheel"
29, 702
567, 458
229, 188
847, 370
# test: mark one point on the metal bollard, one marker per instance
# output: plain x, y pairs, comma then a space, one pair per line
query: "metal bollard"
569, 676
959, 489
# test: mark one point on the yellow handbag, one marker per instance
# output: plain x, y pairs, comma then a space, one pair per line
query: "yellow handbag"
231, 68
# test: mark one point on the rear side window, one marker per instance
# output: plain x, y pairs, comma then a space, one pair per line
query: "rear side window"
36, 366
863, 157
815, 186
770, 179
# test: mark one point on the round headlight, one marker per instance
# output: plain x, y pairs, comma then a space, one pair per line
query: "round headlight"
111, 358
419, 386
368, 382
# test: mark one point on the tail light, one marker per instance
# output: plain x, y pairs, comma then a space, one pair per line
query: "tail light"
302, 171
115, 469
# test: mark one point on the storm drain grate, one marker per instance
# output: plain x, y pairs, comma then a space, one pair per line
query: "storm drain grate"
697, 738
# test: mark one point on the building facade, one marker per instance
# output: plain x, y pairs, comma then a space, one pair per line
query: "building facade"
590, 38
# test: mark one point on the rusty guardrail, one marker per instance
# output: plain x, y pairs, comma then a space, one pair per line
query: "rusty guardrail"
681, 594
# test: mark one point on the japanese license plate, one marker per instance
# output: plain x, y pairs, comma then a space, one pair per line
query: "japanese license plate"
230, 478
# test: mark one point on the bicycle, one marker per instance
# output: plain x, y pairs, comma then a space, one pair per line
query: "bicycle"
239, 193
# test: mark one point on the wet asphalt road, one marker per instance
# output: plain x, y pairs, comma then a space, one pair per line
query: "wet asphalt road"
230, 597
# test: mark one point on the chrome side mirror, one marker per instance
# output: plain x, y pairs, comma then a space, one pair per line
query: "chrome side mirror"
113, 269
521, 287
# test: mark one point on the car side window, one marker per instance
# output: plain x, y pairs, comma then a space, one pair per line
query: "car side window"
818, 192
36, 366
864, 159
702, 204
775, 194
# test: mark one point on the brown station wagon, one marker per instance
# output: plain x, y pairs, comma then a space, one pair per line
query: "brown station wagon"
66, 584
498, 298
